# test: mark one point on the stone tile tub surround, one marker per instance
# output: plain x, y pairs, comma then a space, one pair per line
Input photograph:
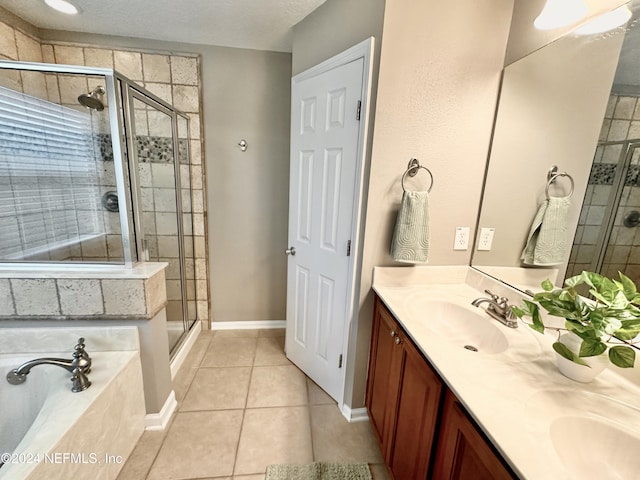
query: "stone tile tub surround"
53, 299
139, 292
106, 419
514, 396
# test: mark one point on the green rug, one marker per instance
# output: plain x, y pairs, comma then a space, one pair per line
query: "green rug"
319, 471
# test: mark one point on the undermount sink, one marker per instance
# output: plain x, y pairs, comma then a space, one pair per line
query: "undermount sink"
588, 444
458, 325
593, 448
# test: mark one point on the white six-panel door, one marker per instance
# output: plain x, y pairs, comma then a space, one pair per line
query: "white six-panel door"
324, 150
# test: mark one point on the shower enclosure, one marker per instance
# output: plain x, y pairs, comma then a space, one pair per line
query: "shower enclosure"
608, 238
95, 170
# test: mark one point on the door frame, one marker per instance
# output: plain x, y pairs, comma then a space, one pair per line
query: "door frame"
363, 50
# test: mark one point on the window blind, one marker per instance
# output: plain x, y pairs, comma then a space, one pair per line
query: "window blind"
49, 179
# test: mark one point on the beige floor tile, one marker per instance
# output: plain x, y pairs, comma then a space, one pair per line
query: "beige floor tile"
273, 435
317, 396
249, 477
270, 351
230, 352
272, 332
198, 350
356, 441
379, 472
139, 462
199, 445
182, 382
218, 388
248, 333
277, 386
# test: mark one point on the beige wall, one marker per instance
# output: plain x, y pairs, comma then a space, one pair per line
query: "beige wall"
248, 97
437, 92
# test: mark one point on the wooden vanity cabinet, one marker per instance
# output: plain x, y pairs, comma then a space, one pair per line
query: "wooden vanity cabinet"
414, 416
403, 398
462, 452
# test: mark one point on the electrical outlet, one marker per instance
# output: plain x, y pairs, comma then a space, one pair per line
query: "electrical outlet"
486, 238
461, 241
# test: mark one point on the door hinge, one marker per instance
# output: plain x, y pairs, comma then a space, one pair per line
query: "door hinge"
358, 110
348, 248
340, 361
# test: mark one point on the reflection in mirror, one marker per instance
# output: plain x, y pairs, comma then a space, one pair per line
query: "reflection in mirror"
550, 113
57, 178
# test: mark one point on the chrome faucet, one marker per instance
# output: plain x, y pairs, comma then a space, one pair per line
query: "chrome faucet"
79, 366
498, 308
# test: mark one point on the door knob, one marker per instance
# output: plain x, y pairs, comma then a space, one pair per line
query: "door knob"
290, 251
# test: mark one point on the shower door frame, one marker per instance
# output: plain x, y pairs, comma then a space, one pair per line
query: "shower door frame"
622, 169
115, 127
132, 91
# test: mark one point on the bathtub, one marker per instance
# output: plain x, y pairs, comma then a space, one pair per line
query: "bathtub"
47, 431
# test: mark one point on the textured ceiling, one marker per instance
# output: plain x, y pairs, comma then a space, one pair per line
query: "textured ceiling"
255, 24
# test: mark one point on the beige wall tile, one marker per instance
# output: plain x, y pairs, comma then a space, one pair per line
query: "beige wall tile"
47, 54
80, 297
161, 90
11, 79
128, 63
8, 46
186, 98
28, 48
123, 297
157, 68
184, 70
35, 296
155, 291
6, 299
98, 57
71, 87
68, 55
34, 84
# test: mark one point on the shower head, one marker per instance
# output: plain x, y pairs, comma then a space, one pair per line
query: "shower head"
91, 100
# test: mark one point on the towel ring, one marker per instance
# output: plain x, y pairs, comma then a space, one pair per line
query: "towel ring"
554, 177
412, 170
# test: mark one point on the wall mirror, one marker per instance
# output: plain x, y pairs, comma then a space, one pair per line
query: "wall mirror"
570, 104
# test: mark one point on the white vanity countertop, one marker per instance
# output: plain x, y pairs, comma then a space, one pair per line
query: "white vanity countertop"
516, 394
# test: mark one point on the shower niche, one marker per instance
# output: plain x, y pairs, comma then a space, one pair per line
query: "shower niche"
95, 172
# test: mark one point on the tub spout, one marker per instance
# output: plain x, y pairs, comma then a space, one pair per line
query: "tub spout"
79, 366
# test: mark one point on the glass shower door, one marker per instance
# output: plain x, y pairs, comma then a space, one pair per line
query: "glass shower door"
158, 195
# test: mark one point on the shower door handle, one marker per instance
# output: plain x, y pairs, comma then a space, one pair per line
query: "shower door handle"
291, 251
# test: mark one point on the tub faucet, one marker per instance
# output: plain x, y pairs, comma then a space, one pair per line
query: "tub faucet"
498, 308
79, 366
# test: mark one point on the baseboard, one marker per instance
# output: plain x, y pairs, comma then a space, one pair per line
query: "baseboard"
355, 414
249, 325
185, 348
160, 420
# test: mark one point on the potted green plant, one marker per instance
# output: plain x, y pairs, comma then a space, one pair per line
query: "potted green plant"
609, 321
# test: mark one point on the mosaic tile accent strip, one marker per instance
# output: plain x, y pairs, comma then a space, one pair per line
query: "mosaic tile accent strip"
151, 149
604, 173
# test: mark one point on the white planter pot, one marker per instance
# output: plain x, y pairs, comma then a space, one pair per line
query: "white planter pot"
574, 371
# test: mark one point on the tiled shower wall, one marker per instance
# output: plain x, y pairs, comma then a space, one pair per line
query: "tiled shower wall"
173, 78
622, 122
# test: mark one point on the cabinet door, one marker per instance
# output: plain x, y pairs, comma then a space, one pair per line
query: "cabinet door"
463, 453
384, 372
416, 415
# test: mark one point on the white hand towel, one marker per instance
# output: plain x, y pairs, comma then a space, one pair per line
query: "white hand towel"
547, 241
410, 243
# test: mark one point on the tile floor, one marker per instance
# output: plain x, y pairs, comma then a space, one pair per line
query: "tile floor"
242, 406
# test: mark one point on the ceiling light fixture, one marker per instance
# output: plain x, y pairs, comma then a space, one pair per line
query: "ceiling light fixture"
560, 13
605, 22
63, 6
